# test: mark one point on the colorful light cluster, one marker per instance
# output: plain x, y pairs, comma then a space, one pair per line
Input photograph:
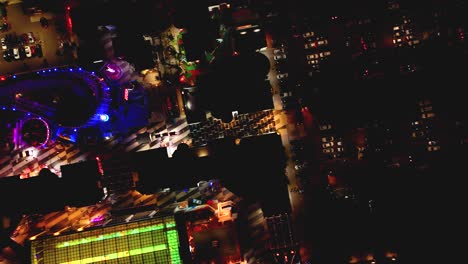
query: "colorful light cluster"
154, 240
173, 241
113, 235
117, 255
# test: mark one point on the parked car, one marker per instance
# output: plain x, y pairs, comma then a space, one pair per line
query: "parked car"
16, 53
33, 50
27, 51
23, 39
8, 55
31, 38
279, 57
22, 52
38, 50
4, 45
4, 27
44, 22
282, 75
10, 38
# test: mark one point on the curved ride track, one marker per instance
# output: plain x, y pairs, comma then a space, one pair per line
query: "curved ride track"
66, 97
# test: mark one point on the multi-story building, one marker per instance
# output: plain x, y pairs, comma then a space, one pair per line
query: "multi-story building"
332, 144
361, 44
404, 32
140, 228
379, 143
280, 55
281, 241
316, 50
423, 132
403, 26
360, 35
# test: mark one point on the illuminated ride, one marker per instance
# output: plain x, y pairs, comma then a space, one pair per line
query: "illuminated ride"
35, 132
56, 102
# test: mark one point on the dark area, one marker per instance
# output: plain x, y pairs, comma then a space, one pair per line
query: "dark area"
56, 97
253, 170
47, 192
244, 88
34, 132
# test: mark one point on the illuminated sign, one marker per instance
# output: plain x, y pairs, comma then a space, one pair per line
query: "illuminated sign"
126, 94
151, 241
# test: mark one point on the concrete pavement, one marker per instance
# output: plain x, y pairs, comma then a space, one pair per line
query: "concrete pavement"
288, 131
47, 37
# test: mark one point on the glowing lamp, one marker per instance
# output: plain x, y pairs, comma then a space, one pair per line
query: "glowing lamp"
104, 117
97, 219
182, 79
109, 69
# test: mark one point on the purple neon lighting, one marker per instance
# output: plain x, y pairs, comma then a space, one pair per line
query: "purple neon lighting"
48, 130
97, 219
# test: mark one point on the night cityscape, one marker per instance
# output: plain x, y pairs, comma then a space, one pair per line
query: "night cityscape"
234, 131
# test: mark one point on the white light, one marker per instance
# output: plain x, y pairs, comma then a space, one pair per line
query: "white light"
243, 32
104, 117
152, 213
129, 218
257, 30
109, 69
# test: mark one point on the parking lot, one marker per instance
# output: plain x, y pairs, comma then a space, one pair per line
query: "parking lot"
47, 38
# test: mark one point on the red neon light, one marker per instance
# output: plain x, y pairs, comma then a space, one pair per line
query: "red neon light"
99, 163
68, 19
126, 94
182, 79
69, 24
2, 78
